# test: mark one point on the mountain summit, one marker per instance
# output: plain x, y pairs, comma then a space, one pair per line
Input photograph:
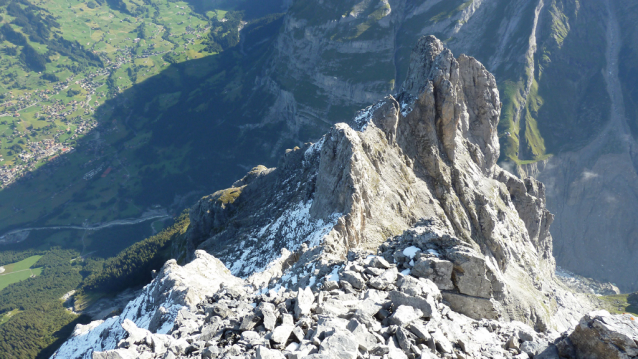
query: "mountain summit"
397, 232
423, 161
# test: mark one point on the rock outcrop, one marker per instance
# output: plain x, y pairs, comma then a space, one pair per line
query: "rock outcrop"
602, 335
423, 161
406, 319
366, 308
395, 235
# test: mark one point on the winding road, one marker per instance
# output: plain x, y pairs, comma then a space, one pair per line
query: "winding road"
94, 227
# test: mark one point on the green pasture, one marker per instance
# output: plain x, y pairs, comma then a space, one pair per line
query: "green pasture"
618, 304
19, 271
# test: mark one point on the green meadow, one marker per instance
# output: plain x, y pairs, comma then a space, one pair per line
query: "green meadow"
19, 271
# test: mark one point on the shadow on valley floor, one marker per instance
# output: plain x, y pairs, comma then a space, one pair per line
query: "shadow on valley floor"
161, 144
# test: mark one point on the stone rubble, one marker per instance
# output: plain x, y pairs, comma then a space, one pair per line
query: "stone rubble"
408, 319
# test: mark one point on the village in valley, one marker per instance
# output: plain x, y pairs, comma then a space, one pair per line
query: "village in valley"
68, 139
43, 119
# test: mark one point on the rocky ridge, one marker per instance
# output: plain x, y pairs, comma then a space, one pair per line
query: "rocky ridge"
366, 309
556, 86
463, 249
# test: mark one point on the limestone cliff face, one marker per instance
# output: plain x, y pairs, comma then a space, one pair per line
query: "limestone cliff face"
423, 160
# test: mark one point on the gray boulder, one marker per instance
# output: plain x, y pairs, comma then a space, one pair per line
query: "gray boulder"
425, 305
405, 315
281, 334
267, 311
473, 307
303, 304
379, 262
470, 273
437, 270
265, 353
385, 280
602, 335
361, 334
340, 345
353, 278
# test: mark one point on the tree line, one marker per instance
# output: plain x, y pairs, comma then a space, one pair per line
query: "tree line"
42, 323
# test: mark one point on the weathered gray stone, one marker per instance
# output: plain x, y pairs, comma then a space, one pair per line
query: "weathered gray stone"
551, 352
404, 315
404, 340
287, 319
387, 278
443, 345
473, 307
425, 305
330, 285
368, 320
379, 350
303, 304
379, 262
368, 307
364, 338
267, 310
437, 270
373, 271
178, 346
420, 331
512, 343
249, 322
339, 345
281, 334
395, 351
219, 309
265, 353
332, 307
299, 334
353, 278
602, 335
470, 276
210, 353
533, 348
410, 286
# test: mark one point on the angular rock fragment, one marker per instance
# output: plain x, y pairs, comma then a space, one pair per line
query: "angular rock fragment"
303, 304
353, 278
602, 335
265, 353
425, 305
339, 345
404, 315
379, 262
365, 340
268, 313
281, 334
437, 270
385, 280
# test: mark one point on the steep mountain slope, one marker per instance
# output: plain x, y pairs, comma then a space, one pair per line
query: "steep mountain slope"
559, 92
413, 178
593, 190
